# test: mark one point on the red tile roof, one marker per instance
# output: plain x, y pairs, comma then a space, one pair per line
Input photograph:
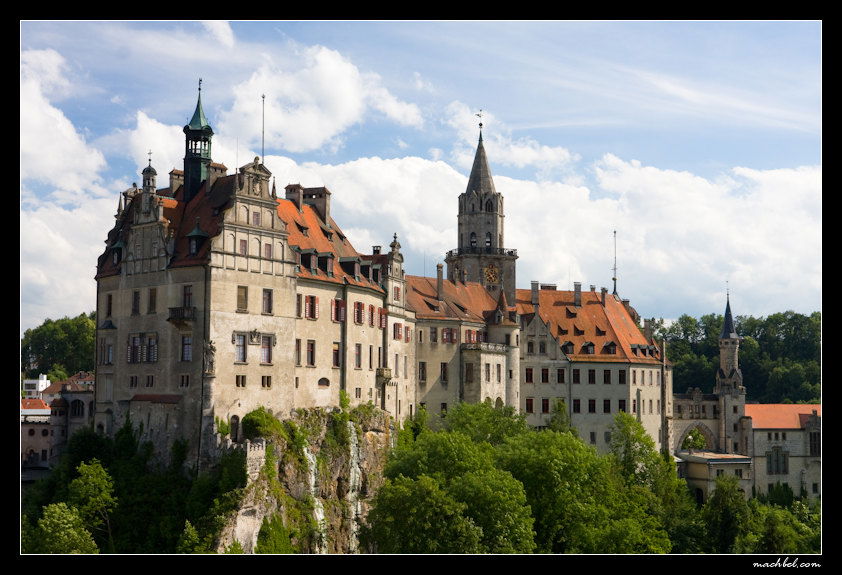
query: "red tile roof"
33, 403
308, 231
780, 415
460, 301
590, 322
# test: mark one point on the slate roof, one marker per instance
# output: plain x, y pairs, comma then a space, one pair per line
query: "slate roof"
461, 301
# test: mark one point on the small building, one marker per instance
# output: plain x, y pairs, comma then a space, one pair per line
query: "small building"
32, 388
701, 469
35, 433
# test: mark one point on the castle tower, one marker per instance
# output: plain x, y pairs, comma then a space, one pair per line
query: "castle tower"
197, 150
481, 255
729, 388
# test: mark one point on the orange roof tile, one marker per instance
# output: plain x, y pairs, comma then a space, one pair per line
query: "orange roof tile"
461, 301
33, 403
614, 322
780, 415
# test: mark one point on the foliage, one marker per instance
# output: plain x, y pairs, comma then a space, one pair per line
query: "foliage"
92, 493
560, 419
189, 540
418, 516
780, 355
274, 537
726, 515
444, 455
222, 426
66, 344
484, 422
261, 423
61, 530
235, 548
694, 440
633, 450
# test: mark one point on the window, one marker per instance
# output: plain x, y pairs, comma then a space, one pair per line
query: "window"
244, 248
240, 380
311, 307
311, 352
371, 357
650, 406
132, 381
545, 405
185, 381
422, 371
150, 353
530, 347
738, 473
267, 301
542, 347
397, 331
266, 349
469, 373
528, 375
255, 218
815, 444
487, 372
607, 437
593, 437
397, 293
545, 375
150, 380
187, 296
135, 302
298, 306
488, 239
559, 375
606, 376
606, 406
358, 392
577, 406
634, 377
529, 408
133, 354
443, 408
621, 376
777, 461
576, 376
267, 251
592, 376
622, 405
240, 348
359, 312
406, 335
151, 302
297, 352
337, 310
634, 406
266, 381
324, 382
337, 356
242, 298
591, 406
443, 373
371, 315
109, 304
499, 372
434, 335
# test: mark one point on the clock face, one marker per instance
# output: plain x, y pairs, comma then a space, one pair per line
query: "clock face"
492, 276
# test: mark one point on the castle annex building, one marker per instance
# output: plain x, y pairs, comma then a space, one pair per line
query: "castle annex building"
218, 294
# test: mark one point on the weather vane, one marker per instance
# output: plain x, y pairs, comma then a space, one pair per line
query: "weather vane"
149, 153
480, 118
200, 84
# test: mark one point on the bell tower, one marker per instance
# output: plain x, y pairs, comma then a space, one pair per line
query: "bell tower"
729, 388
197, 150
481, 255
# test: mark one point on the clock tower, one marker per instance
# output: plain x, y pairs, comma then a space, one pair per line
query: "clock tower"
481, 255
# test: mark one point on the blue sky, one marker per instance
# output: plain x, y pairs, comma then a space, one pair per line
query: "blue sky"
699, 142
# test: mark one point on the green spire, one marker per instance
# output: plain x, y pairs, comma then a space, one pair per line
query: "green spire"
199, 121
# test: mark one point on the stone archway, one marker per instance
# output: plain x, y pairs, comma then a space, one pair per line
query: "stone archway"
499, 403
710, 438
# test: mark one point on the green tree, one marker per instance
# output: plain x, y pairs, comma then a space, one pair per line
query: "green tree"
694, 440
726, 515
444, 455
57, 373
92, 493
560, 419
67, 342
496, 502
484, 422
61, 530
188, 542
633, 450
417, 516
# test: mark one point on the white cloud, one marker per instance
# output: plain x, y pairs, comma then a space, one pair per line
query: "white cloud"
220, 30
52, 151
309, 107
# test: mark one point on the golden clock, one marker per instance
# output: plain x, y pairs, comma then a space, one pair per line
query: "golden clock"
492, 276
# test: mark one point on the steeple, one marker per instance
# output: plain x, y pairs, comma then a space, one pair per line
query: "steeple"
480, 179
197, 150
728, 331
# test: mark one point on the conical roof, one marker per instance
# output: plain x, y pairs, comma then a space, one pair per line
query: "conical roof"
199, 121
728, 331
480, 178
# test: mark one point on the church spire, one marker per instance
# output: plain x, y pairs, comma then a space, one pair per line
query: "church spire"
728, 331
480, 179
197, 150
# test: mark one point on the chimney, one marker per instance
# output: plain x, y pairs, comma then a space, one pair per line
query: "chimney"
439, 282
577, 294
604, 291
319, 198
295, 194
534, 293
375, 249
593, 288
647, 329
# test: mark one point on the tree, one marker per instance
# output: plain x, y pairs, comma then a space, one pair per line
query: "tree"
61, 530
560, 419
726, 515
92, 493
417, 516
443, 455
694, 440
67, 342
484, 422
633, 450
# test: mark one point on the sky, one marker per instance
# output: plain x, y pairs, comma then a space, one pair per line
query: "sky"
699, 143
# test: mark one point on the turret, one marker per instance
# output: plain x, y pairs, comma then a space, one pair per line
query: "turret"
197, 150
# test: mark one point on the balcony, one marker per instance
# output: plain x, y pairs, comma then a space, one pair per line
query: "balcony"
485, 347
182, 314
482, 251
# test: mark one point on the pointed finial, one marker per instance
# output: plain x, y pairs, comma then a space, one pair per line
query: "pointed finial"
200, 84
149, 153
480, 122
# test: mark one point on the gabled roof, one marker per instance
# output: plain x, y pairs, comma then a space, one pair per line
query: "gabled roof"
33, 403
321, 239
780, 415
460, 301
557, 310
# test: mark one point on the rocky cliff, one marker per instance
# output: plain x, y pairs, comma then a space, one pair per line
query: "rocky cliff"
312, 488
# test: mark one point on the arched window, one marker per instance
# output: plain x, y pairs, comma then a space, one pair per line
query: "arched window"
488, 239
473, 240
489, 207
77, 408
235, 428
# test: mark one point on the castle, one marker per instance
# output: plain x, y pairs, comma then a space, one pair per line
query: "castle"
217, 295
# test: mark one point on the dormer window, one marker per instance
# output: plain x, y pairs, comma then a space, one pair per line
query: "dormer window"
194, 246
588, 348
